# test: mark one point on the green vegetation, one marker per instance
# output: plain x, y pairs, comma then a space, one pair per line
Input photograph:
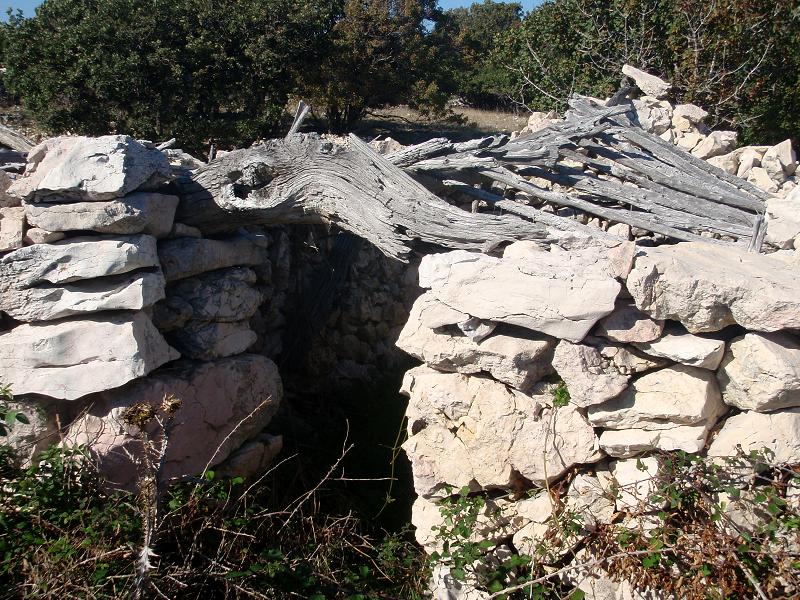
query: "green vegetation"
689, 519
740, 60
224, 71
63, 533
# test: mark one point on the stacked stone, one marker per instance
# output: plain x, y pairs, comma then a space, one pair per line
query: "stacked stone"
98, 275
658, 347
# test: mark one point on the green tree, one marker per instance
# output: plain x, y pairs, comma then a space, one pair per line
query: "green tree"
736, 58
378, 54
194, 69
466, 36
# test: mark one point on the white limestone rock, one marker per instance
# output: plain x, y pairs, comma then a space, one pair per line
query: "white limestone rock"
129, 291
185, 257
517, 360
783, 221
475, 432
211, 340
652, 115
12, 228
72, 358
561, 294
34, 235
715, 144
87, 169
649, 84
225, 295
628, 324
224, 404
540, 120
754, 431
761, 372
691, 113
727, 162
75, 259
624, 443
780, 161
749, 158
689, 140
589, 377
635, 482
663, 399
142, 212
759, 177
707, 288
686, 348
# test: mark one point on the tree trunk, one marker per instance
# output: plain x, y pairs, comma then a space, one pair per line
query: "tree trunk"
309, 180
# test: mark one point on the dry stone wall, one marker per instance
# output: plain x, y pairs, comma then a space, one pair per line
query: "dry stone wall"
108, 302
686, 347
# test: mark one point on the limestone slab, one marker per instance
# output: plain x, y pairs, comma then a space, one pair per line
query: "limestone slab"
562, 294
628, 324
12, 228
649, 84
663, 399
72, 358
141, 212
225, 295
761, 372
224, 404
185, 257
83, 168
686, 348
590, 378
707, 288
210, 340
778, 432
130, 291
519, 361
75, 259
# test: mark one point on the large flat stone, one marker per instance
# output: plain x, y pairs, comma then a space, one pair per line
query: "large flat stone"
141, 212
562, 294
663, 399
203, 340
75, 259
628, 324
624, 443
686, 348
73, 358
649, 84
590, 378
185, 257
83, 168
517, 361
707, 288
12, 228
224, 404
761, 372
225, 295
129, 291
752, 431
475, 432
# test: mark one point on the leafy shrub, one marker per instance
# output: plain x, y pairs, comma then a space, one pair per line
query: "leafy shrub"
156, 69
681, 539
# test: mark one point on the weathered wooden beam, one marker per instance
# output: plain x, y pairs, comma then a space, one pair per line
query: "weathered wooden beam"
307, 179
14, 140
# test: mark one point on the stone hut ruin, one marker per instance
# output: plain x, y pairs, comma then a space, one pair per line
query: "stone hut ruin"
625, 249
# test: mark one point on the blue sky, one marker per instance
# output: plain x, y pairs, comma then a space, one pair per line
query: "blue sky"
27, 6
